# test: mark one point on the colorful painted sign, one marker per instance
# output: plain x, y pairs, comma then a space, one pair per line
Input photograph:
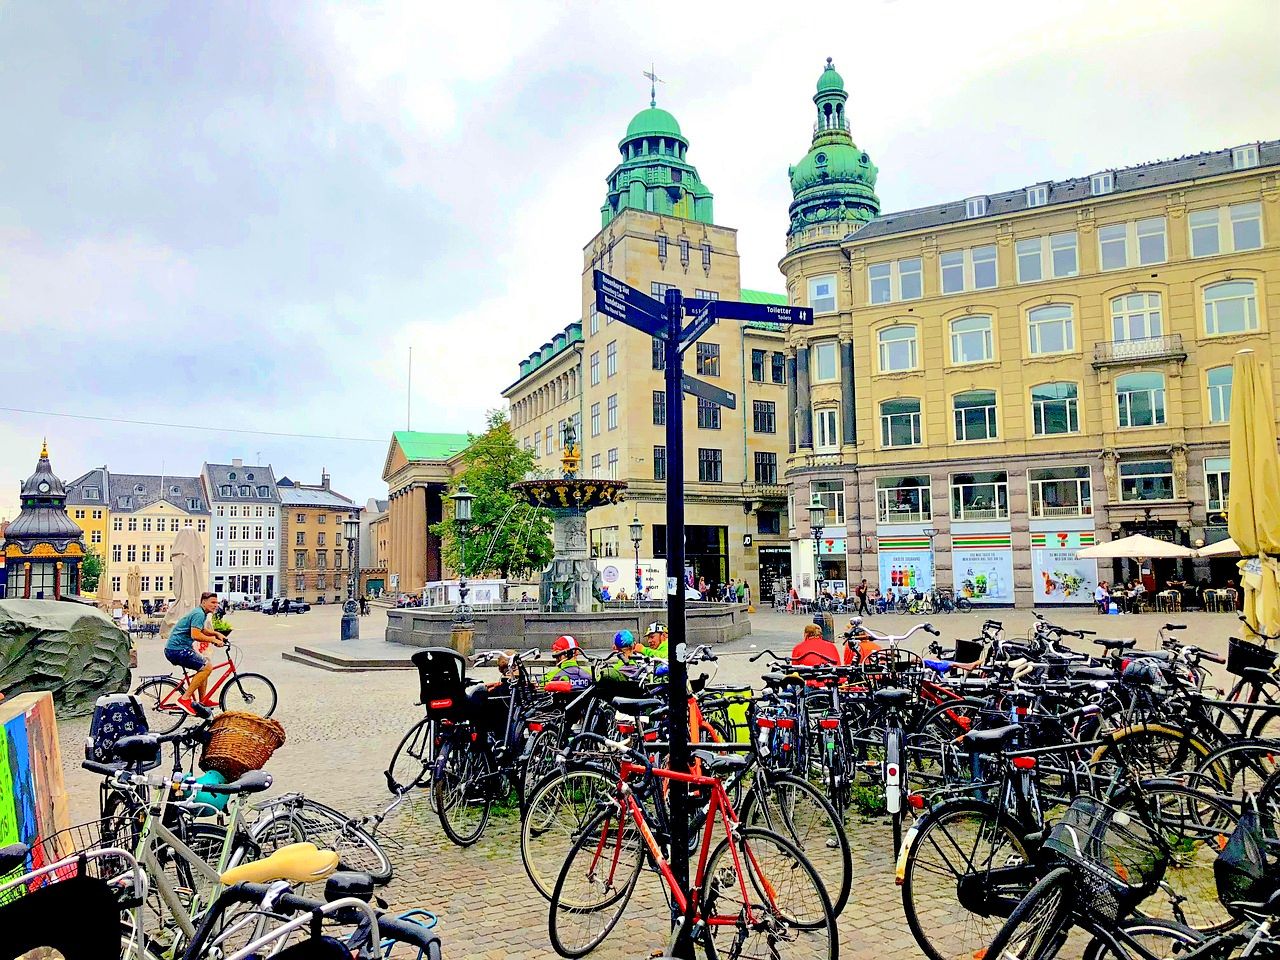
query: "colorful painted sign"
33, 801
982, 567
906, 563
1058, 576
832, 546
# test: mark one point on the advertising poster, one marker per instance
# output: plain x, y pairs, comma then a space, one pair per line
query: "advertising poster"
982, 567
1057, 576
619, 574
905, 563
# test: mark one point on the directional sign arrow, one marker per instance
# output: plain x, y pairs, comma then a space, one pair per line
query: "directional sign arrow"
761, 312
703, 322
708, 392
625, 303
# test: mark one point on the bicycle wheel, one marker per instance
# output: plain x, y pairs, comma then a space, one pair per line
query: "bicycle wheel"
328, 829
1159, 938
1144, 751
159, 697
964, 605
778, 909
249, 693
461, 792
558, 808
413, 758
540, 759
1240, 768
1038, 926
933, 757
797, 811
595, 883
962, 870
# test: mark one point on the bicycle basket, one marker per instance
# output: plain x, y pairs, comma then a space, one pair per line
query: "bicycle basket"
1243, 655
1242, 871
442, 681
240, 742
1119, 858
121, 832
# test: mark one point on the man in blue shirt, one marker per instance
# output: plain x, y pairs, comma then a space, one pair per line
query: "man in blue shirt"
179, 649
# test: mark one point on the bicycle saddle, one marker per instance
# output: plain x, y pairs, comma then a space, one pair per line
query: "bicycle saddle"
635, 706
1116, 644
1092, 673
719, 763
142, 748
295, 863
349, 883
12, 857
893, 697
989, 741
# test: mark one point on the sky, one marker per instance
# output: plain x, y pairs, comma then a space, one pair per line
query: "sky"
242, 216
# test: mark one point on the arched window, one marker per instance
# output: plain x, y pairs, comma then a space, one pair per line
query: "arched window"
897, 348
975, 415
971, 340
900, 422
1218, 381
1140, 399
1137, 316
1230, 307
1055, 409
1051, 328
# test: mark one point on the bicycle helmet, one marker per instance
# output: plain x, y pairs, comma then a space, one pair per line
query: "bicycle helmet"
565, 644
623, 639
656, 627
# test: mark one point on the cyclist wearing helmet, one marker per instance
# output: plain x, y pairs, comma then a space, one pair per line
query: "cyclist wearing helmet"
565, 651
628, 650
655, 642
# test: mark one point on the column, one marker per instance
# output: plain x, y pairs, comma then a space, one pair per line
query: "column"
803, 405
848, 425
791, 403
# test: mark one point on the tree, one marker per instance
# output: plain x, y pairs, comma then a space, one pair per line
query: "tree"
506, 536
90, 571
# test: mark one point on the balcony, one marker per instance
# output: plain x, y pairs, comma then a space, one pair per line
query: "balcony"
1046, 511
833, 459
765, 491
1167, 347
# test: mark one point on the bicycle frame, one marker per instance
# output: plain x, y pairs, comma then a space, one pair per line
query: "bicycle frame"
218, 676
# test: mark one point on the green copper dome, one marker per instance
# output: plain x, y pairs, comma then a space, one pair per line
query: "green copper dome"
653, 122
836, 181
655, 175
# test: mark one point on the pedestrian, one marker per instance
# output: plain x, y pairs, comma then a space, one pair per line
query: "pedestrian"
860, 596
364, 605
746, 593
702, 587
741, 591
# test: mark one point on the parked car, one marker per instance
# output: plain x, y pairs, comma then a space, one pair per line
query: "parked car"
284, 605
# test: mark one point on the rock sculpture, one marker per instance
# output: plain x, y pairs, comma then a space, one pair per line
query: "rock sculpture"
72, 650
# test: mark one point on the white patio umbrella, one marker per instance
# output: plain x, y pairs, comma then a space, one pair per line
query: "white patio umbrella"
1135, 547
1223, 548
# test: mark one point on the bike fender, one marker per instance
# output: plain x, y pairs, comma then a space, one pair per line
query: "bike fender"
900, 868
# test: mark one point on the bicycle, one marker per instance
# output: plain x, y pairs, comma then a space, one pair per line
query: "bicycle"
294, 818
248, 692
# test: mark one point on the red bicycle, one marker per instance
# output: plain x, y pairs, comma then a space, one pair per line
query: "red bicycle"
753, 894
233, 690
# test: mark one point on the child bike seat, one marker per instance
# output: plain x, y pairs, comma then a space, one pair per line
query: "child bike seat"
295, 863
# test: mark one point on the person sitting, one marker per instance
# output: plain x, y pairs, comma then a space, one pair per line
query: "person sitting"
565, 651
655, 642
1102, 596
1136, 595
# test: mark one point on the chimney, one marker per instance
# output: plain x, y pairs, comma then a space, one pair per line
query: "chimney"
324, 478
237, 462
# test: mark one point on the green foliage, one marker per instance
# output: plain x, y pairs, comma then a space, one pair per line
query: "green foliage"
492, 462
90, 571
868, 801
222, 626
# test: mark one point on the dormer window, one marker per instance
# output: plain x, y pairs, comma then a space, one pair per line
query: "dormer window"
262, 491
91, 493
231, 475
224, 490
1038, 195
175, 489
248, 476
1101, 183
1242, 158
244, 490
975, 207
139, 488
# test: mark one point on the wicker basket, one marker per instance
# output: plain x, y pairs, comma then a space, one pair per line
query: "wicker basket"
240, 742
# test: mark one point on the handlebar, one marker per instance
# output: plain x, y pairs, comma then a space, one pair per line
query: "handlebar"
1255, 631
892, 640
763, 652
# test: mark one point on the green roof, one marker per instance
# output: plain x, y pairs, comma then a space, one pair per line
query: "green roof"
830, 80
759, 296
430, 446
653, 121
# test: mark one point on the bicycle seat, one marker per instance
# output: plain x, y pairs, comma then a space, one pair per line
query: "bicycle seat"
348, 883
719, 763
1092, 673
141, 748
12, 857
1116, 644
295, 863
893, 697
989, 741
634, 706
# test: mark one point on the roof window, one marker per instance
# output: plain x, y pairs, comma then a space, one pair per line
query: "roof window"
1101, 183
1242, 158
975, 207
1038, 195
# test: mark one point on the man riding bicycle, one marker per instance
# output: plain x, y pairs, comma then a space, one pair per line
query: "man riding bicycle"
180, 650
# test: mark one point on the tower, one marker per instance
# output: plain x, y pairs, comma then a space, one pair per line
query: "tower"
43, 547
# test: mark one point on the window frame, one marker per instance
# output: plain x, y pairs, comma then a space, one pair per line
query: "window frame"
764, 416
975, 207
999, 510
821, 347
913, 349
1100, 184
1223, 220
710, 465
595, 420
830, 495
991, 416
766, 467
659, 461
659, 408
894, 279
1221, 468
834, 298
594, 367
1036, 507
987, 335
968, 265
708, 415
1219, 394
778, 367
757, 364
1156, 401
611, 412
611, 359
1251, 310
923, 511
1126, 315
826, 435
1037, 195
887, 422
1038, 409
1034, 326
1173, 491
707, 359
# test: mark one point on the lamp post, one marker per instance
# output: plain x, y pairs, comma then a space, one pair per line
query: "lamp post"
350, 618
931, 532
462, 516
637, 534
817, 520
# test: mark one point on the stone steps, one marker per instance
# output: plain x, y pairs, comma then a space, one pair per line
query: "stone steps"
359, 658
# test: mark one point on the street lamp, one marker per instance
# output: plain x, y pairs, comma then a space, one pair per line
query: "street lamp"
817, 520
350, 621
637, 534
462, 516
931, 532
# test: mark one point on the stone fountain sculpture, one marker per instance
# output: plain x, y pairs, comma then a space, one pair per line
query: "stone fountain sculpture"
569, 583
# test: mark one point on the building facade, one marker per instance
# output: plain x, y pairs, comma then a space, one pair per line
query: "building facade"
994, 382
43, 548
244, 557
374, 547
312, 549
147, 514
88, 505
417, 468
607, 379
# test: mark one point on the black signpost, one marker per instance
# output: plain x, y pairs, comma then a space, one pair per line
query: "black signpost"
665, 321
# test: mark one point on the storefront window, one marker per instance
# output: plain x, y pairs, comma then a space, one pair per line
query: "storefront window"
831, 495
903, 500
980, 496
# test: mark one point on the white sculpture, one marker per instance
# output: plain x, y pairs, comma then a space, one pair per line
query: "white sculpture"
187, 554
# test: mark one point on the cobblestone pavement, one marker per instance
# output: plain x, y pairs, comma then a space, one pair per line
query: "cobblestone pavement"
343, 727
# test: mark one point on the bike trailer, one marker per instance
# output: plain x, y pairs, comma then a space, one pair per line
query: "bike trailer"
442, 679
115, 715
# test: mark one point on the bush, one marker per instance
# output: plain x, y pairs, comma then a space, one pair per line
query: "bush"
222, 626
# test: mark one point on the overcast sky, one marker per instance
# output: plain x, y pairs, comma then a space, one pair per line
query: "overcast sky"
242, 215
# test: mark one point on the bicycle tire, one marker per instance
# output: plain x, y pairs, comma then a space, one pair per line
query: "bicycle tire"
412, 759
933, 755
784, 887
559, 806
249, 693
539, 759
1037, 927
459, 785
1239, 768
946, 880
1167, 749
160, 720
582, 890
1149, 934
964, 605
820, 836
329, 829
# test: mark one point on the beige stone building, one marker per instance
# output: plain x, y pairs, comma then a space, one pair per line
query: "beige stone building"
313, 557
607, 378
147, 512
416, 470
996, 381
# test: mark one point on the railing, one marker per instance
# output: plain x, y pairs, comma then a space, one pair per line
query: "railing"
1167, 347
821, 459
907, 515
982, 513
766, 491
1074, 510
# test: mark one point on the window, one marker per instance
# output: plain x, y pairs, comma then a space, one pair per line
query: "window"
1146, 480
900, 423
220, 533
116, 553
224, 490
299, 538
1061, 250
1230, 307
612, 406
1101, 183
1217, 483
593, 321
766, 467
1112, 243
879, 276
595, 464
778, 368
971, 340
595, 367
146, 524
975, 415
117, 524
257, 512
824, 361
899, 280
824, 424
984, 267
92, 493
708, 364
1136, 316
186, 522
220, 510
708, 415
1244, 221
659, 408
1051, 329
159, 553
595, 419
115, 584
611, 358
1204, 232
1151, 241
903, 500
706, 250
710, 465
684, 250
1030, 263
1246, 226
662, 246
79, 514
701, 294
973, 269
975, 207
822, 294
897, 348
1140, 399
659, 463
910, 282
980, 496
757, 366
613, 463
131, 553
263, 492
764, 416
95, 536
201, 525
1218, 380
245, 490
1060, 492
300, 583
548, 439
1038, 195
830, 493
299, 558
322, 582
659, 290
1055, 409
537, 443
952, 267
319, 539
659, 355
768, 522
146, 584
133, 523
1244, 157
257, 558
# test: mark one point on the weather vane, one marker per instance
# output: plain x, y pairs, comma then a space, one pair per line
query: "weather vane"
654, 80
